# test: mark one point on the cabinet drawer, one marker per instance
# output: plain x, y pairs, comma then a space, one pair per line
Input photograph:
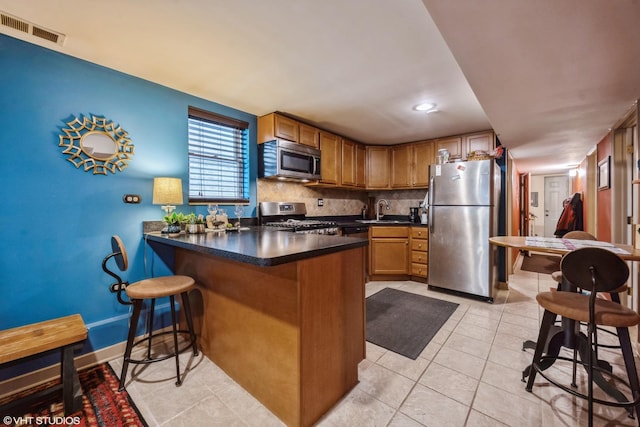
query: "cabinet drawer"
419, 245
419, 270
389, 231
420, 232
419, 257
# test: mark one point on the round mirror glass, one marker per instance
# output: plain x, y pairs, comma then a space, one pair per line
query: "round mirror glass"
98, 145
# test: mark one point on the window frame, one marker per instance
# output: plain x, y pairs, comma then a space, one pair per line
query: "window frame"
198, 114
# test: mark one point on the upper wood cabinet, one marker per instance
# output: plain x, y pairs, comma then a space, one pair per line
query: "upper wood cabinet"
423, 156
274, 126
361, 166
331, 158
308, 135
401, 167
410, 164
349, 167
348, 163
453, 144
464, 144
378, 167
485, 141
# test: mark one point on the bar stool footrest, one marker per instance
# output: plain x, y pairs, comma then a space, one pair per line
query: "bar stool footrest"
187, 346
628, 404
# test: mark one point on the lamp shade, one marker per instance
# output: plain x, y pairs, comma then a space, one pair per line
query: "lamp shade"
167, 191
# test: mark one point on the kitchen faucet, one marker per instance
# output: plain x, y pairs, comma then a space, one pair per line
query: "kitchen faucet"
378, 214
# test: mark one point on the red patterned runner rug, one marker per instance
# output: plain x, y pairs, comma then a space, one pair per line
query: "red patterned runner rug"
102, 404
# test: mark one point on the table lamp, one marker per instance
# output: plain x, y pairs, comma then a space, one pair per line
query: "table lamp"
167, 192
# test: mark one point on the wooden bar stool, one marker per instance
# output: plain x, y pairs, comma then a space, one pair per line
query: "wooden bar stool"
595, 270
151, 289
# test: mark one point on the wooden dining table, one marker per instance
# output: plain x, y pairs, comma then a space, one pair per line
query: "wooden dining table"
564, 335
555, 245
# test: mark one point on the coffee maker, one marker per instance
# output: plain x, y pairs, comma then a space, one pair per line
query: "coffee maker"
414, 215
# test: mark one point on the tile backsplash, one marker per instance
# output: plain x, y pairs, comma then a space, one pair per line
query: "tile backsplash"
337, 202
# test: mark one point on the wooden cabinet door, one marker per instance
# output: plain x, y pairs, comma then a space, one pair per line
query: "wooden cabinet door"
348, 163
308, 135
286, 128
378, 167
484, 141
401, 166
453, 144
389, 255
272, 126
361, 165
330, 161
423, 156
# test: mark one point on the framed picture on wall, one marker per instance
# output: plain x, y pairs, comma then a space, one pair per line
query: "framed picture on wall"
604, 173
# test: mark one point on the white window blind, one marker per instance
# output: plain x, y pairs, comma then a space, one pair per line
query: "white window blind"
218, 158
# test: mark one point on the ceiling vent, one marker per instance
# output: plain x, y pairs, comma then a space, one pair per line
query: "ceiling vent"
24, 26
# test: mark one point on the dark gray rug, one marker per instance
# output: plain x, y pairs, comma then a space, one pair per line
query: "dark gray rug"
404, 322
545, 264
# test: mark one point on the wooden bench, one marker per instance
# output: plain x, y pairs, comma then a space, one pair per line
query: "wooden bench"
64, 333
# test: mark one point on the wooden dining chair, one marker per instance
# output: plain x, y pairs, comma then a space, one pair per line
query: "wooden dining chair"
594, 270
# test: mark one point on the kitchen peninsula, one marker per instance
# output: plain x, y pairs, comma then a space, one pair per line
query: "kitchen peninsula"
281, 313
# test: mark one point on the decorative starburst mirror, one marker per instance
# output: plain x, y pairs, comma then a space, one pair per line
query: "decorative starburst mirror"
97, 144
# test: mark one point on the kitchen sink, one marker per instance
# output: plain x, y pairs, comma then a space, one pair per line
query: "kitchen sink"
382, 221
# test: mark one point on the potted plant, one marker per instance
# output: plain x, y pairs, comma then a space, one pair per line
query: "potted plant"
173, 221
195, 224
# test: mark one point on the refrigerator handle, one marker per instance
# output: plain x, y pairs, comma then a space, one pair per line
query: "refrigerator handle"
432, 190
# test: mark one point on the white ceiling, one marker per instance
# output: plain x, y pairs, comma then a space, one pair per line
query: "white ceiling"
549, 76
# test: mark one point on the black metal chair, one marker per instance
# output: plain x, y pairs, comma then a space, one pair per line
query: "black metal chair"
594, 270
150, 289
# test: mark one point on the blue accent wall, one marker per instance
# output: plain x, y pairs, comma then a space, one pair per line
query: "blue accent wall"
57, 220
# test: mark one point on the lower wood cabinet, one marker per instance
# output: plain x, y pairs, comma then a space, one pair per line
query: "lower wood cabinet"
419, 251
389, 250
398, 251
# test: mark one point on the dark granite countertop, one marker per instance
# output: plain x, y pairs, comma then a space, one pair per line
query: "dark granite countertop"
259, 245
355, 221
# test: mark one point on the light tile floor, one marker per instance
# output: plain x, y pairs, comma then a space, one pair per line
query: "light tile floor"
469, 375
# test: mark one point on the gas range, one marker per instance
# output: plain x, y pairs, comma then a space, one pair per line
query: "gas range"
292, 217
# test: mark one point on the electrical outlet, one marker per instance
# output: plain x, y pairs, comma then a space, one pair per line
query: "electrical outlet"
320, 202
131, 198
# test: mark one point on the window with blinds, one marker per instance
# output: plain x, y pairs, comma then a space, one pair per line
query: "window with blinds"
218, 158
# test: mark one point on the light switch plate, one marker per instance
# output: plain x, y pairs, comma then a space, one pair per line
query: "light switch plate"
320, 202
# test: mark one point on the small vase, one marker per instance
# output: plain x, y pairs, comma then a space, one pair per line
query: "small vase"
172, 230
195, 228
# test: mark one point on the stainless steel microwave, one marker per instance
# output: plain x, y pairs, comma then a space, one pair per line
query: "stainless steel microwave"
288, 160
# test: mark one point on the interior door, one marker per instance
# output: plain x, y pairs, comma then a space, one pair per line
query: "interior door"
524, 204
556, 189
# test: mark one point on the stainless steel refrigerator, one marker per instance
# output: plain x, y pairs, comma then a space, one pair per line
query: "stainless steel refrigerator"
463, 214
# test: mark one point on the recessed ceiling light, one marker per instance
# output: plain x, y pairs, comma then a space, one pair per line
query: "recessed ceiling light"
427, 107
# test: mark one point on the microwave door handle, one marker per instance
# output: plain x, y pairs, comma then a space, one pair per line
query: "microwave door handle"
316, 164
